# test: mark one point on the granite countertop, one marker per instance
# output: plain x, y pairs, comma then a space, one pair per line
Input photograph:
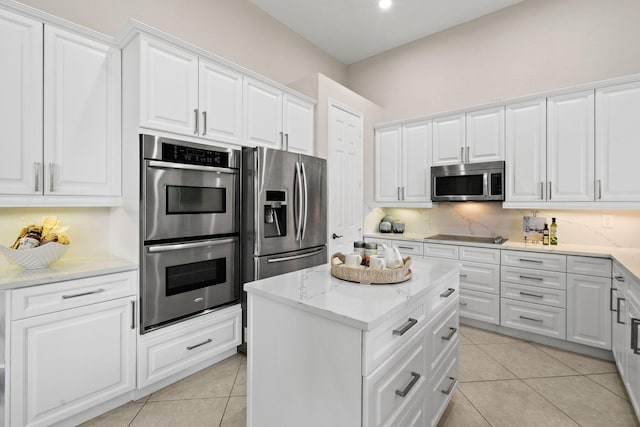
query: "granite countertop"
361, 306
14, 277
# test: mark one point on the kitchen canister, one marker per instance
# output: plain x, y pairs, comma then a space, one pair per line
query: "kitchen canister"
370, 249
359, 247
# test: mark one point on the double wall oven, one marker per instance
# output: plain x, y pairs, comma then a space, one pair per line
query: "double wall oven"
190, 225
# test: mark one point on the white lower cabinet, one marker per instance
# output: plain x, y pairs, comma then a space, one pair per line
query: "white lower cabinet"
443, 384
632, 375
480, 306
537, 318
68, 361
588, 315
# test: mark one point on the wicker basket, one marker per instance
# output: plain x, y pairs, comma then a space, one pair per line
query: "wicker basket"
367, 275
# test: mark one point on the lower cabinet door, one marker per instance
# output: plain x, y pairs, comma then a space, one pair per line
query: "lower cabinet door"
588, 310
416, 414
631, 377
480, 306
536, 318
443, 385
65, 362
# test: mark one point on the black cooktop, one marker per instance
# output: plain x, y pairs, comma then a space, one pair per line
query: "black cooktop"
498, 240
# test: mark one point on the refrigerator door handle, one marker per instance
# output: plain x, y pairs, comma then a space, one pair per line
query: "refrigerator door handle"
297, 205
293, 257
305, 205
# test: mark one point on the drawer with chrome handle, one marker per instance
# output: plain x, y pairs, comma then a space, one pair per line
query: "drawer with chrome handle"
443, 384
534, 294
589, 266
480, 306
534, 260
538, 278
536, 318
442, 335
481, 277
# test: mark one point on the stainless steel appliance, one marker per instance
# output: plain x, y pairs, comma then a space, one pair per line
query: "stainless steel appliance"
498, 240
190, 226
468, 182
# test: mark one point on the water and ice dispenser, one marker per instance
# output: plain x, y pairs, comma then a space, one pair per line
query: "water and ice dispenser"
275, 214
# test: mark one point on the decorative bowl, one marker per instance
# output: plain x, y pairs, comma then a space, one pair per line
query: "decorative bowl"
40, 257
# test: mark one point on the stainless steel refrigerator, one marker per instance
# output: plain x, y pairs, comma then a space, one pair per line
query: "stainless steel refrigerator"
284, 200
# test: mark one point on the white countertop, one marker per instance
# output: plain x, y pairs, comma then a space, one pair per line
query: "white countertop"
354, 304
14, 277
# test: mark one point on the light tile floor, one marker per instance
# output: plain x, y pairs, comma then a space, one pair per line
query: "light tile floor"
504, 381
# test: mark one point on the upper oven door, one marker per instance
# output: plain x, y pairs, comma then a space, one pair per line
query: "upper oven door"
182, 201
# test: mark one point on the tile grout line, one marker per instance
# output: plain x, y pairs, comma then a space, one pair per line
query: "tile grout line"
606, 388
230, 392
136, 415
474, 407
551, 403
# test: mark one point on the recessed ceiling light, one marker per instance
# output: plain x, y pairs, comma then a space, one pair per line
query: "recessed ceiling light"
384, 4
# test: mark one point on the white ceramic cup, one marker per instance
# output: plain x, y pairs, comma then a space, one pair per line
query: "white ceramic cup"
377, 263
352, 259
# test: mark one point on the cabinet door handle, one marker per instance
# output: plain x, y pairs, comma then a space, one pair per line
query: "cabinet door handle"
407, 389
541, 190
463, 276
549, 190
618, 310
286, 142
406, 247
619, 278
447, 293
467, 154
410, 323
599, 188
452, 332
191, 347
461, 154
611, 298
540, 279
537, 261
36, 168
527, 294
97, 291
635, 326
52, 176
204, 123
462, 303
133, 314
195, 114
532, 319
399, 193
451, 386
402, 193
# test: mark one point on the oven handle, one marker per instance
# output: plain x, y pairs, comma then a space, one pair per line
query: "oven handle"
290, 258
170, 165
179, 246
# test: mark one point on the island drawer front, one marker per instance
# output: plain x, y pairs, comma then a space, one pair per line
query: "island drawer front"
440, 251
387, 338
527, 276
470, 253
535, 294
549, 262
409, 248
443, 334
443, 385
536, 318
416, 413
480, 306
441, 295
49, 298
480, 277
404, 372
164, 353
589, 266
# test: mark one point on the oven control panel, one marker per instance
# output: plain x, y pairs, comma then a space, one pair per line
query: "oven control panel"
194, 156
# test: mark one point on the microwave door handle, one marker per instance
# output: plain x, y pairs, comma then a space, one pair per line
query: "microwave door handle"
305, 205
485, 180
170, 165
181, 246
298, 207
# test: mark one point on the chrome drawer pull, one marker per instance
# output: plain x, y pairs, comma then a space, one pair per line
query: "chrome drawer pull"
447, 293
451, 386
619, 278
133, 314
406, 247
526, 294
540, 279
532, 319
404, 328
464, 304
407, 389
611, 298
463, 275
191, 347
97, 291
452, 332
618, 310
531, 260
635, 326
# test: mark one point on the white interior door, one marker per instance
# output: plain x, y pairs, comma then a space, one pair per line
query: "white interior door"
344, 167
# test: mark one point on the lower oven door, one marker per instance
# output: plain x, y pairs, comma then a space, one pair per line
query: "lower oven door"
182, 279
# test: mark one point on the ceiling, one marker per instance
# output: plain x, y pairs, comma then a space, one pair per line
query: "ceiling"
352, 30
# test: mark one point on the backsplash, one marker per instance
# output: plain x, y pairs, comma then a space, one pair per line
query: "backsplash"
489, 219
88, 228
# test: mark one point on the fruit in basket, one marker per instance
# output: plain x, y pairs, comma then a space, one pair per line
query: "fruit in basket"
34, 235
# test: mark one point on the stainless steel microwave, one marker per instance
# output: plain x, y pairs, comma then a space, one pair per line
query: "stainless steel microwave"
468, 182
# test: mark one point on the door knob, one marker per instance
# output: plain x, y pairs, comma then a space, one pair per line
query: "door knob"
335, 236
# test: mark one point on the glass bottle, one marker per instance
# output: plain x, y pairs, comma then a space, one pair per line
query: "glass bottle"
553, 232
545, 234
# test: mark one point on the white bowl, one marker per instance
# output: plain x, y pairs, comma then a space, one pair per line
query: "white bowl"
40, 257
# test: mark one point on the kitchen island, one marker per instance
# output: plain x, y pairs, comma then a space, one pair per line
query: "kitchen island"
322, 351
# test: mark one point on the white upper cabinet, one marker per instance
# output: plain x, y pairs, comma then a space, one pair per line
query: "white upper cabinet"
220, 103
525, 163
570, 147
402, 162
449, 140
263, 114
485, 135
298, 119
81, 116
20, 105
617, 143
168, 88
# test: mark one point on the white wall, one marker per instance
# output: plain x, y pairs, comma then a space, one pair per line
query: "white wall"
234, 29
531, 47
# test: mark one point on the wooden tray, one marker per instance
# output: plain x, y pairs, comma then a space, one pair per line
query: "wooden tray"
366, 275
